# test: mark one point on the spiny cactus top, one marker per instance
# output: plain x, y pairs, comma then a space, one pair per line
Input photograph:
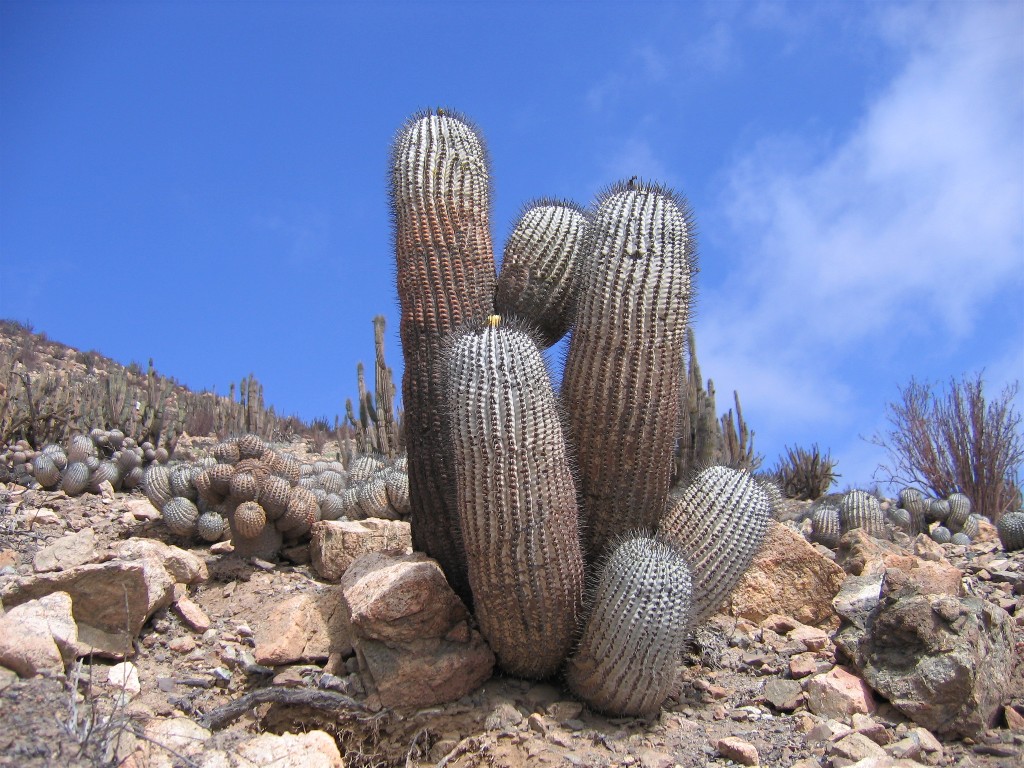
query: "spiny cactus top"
859, 509
535, 282
638, 619
623, 370
719, 523
1011, 531
440, 199
516, 498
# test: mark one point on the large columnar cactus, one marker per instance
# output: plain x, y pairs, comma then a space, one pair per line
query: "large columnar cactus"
622, 373
516, 498
538, 266
638, 620
719, 523
440, 198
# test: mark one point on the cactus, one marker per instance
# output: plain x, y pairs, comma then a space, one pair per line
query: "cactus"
825, 526
538, 266
859, 509
719, 523
960, 539
900, 517
938, 510
622, 372
941, 534
1011, 531
249, 519
397, 485
959, 511
638, 620
180, 515
106, 472
440, 192
914, 502
45, 471
75, 479
210, 526
515, 496
970, 527
373, 498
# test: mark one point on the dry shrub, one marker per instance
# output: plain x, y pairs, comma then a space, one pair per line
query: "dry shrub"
805, 474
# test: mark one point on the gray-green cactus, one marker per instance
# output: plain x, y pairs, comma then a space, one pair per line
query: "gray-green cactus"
859, 509
941, 534
959, 511
515, 496
539, 262
75, 479
825, 526
638, 620
180, 515
719, 523
622, 372
440, 198
915, 503
1011, 531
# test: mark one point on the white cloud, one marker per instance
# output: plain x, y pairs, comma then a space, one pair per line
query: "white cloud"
894, 241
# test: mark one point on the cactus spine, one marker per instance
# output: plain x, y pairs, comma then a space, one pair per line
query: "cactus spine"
516, 498
535, 282
622, 373
638, 619
718, 523
440, 198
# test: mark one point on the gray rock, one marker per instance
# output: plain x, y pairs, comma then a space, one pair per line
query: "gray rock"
66, 552
858, 597
944, 661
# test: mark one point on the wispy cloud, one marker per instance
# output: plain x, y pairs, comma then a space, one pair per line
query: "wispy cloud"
896, 240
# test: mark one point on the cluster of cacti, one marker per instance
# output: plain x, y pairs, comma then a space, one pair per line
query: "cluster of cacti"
805, 474
1011, 531
265, 497
704, 438
948, 520
378, 428
493, 497
84, 463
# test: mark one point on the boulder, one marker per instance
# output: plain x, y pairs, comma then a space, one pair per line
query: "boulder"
313, 749
67, 552
411, 632
110, 601
789, 576
837, 694
943, 661
334, 544
182, 565
926, 570
304, 627
39, 636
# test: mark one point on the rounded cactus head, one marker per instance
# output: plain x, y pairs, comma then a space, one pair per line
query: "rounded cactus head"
1011, 531
825, 527
941, 534
75, 478
180, 515
45, 471
249, 519
637, 622
210, 526
156, 483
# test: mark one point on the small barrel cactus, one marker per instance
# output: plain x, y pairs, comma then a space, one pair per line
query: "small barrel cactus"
961, 539
825, 528
249, 519
959, 511
156, 484
210, 526
900, 517
75, 479
941, 534
971, 526
938, 510
537, 270
914, 502
637, 623
180, 515
859, 509
1011, 531
719, 523
45, 470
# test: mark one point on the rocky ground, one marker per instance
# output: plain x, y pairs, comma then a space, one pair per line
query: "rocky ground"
123, 645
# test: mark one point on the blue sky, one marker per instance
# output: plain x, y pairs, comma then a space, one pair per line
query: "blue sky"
205, 183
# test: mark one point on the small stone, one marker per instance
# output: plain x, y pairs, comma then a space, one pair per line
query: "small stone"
504, 717
193, 616
183, 644
783, 694
1014, 719
166, 684
812, 638
928, 741
839, 694
126, 677
738, 750
560, 711
804, 664
856, 746
871, 728
222, 548
537, 723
